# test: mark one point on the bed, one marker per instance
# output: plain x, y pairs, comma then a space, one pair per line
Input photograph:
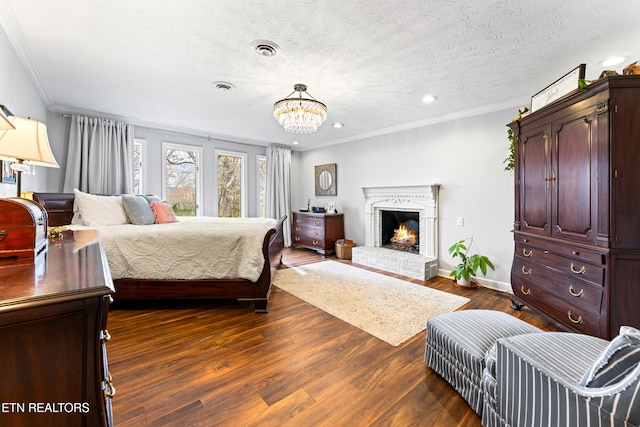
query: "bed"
60, 211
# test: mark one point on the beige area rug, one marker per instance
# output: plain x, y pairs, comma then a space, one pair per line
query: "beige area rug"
390, 309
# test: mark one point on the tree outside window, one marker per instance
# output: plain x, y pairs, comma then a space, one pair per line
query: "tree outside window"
231, 184
181, 178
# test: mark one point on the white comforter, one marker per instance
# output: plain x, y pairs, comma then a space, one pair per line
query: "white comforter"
193, 248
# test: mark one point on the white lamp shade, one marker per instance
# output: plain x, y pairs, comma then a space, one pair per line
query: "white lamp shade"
4, 121
28, 142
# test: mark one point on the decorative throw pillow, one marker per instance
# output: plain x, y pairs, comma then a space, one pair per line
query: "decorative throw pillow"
151, 198
93, 210
163, 213
138, 210
617, 360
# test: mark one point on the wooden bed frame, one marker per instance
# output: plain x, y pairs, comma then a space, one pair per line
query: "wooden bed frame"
59, 207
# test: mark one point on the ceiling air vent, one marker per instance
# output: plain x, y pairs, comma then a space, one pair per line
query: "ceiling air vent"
265, 47
223, 86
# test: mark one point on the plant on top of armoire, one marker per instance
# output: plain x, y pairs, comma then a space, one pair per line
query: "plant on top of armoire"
469, 264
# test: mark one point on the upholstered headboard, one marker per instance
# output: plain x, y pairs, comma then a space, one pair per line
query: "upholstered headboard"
59, 206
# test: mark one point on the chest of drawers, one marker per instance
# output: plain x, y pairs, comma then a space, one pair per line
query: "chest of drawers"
53, 318
565, 282
316, 231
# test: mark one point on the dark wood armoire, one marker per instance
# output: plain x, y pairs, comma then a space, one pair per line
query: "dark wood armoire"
577, 208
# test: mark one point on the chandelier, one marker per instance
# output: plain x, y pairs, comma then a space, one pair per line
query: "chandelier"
300, 115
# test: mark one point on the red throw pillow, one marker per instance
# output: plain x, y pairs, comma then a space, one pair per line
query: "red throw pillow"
163, 212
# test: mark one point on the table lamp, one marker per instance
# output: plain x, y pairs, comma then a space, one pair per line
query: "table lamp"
26, 144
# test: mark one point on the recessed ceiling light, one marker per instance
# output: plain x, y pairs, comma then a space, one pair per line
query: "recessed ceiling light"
296, 142
265, 47
613, 61
223, 86
337, 125
429, 98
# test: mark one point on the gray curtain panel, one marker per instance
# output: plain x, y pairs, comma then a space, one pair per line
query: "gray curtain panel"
278, 199
100, 156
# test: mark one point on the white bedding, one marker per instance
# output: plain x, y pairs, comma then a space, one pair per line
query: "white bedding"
191, 249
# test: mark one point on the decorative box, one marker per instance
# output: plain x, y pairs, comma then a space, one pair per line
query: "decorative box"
23, 229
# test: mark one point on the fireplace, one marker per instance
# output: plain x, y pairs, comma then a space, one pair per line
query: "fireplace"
386, 210
400, 230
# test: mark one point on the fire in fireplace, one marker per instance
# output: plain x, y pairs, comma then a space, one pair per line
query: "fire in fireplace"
401, 230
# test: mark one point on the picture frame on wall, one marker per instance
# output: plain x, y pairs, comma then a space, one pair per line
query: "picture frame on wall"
8, 175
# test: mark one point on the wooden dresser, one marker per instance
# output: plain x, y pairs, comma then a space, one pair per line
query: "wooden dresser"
577, 199
53, 316
317, 231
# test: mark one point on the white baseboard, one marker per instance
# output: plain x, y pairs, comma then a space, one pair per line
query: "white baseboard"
484, 282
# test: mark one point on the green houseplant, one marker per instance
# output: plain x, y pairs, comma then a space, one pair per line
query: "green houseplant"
469, 264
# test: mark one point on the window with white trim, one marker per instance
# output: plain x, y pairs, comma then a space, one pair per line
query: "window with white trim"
182, 178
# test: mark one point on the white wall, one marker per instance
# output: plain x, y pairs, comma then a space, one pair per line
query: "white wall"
20, 96
465, 156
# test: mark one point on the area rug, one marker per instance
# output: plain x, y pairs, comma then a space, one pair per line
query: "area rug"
390, 309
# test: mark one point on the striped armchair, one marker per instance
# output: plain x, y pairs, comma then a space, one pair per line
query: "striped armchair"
563, 379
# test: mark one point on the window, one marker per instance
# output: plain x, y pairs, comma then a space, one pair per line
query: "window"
262, 184
231, 184
139, 159
182, 177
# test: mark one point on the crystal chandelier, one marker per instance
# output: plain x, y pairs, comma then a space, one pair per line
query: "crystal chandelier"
300, 115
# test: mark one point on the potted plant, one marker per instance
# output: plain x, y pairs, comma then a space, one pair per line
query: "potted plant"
469, 264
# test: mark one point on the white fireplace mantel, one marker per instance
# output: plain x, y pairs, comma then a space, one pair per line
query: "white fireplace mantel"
414, 198
410, 198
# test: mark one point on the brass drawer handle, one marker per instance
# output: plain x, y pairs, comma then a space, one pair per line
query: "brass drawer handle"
297, 228
524, 270
315, 242
297, 238
3, 235
579, 294
298, 221
109, 390
527, 292
527, 254
577, 321
581, 271
316, 233
106, 336
316, 223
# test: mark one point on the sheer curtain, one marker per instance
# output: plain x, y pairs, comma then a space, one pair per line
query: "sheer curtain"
278, 200
100, 156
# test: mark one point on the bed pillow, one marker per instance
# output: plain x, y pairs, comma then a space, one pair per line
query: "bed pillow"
163, 213
93, 210
151, 198
616, 361
138, 210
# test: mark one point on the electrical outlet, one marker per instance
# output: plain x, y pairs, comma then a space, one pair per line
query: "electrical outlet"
460, 221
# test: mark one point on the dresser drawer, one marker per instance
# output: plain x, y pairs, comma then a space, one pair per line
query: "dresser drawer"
571, 315
576, 292
574, 267
311, 232
303, 240
524, 245
308, 220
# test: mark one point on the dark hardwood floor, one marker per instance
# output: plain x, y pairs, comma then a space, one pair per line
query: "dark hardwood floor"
220, 364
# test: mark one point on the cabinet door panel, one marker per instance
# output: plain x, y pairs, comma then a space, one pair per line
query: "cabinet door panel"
535, 208
574, 186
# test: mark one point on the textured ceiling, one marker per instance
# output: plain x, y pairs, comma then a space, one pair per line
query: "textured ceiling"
152, 62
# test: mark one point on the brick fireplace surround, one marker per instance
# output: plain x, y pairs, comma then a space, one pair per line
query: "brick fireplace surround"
411, 198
